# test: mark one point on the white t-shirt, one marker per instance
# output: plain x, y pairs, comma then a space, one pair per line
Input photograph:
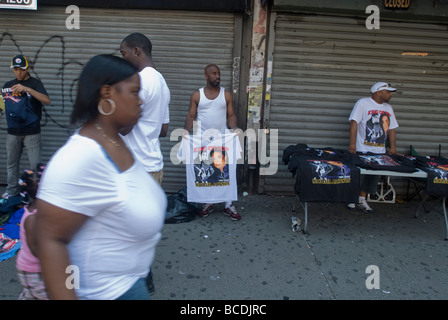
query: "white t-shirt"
211, 161
374, 121
116, 245
143, 140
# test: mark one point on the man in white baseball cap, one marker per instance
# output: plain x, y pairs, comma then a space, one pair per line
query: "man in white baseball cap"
372, 123
382, 86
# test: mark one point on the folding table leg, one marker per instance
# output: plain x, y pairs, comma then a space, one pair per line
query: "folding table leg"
305, 208
422, 204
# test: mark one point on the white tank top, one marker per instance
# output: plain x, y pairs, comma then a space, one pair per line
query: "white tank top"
212, 113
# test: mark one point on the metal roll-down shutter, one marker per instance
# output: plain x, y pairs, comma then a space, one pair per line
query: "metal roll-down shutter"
183, 43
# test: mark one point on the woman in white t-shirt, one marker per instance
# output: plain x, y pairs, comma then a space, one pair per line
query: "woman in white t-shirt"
100, 214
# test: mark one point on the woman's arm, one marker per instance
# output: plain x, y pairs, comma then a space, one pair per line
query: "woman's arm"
54, 228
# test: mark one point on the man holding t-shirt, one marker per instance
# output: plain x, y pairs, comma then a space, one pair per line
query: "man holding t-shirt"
212, 107
372, 123
23, 98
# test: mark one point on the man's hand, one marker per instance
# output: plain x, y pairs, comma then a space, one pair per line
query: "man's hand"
43, 98
392, 150
185, 133
18, 88
236, 131
352, 148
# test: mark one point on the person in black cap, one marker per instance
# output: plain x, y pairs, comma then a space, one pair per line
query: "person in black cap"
23, 98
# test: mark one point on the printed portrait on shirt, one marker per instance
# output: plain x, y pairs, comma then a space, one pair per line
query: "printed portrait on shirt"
377, 127
326, 171
213, 167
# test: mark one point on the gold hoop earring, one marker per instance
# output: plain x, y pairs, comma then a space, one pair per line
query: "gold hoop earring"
112, 105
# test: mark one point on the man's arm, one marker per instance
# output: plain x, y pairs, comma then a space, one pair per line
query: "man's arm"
353, 132
391, 135
164, 130
232, 120
43, 98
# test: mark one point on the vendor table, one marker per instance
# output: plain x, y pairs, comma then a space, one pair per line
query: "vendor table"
388, 194
381, 196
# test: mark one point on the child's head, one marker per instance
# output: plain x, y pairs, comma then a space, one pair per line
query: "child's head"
29, 182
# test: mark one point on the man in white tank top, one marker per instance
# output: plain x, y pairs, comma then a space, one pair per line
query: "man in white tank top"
213, 107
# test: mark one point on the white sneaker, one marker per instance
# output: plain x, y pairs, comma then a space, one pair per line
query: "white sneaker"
351, 206
364, 206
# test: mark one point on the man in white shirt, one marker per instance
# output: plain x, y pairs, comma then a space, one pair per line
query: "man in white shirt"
143, 138
372, 123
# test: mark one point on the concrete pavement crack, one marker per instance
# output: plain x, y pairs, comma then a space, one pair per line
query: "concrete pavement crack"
331, 292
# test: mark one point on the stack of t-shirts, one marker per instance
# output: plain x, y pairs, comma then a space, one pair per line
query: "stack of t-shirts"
437, 170
324, 174
390, 162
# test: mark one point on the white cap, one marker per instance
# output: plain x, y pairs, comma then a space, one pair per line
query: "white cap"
382, 86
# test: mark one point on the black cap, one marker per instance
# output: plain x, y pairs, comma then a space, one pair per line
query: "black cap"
20, 61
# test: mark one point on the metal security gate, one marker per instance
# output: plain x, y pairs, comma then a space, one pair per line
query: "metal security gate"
323, 64
183, 43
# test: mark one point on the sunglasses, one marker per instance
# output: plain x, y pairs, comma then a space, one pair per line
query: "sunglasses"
385, 86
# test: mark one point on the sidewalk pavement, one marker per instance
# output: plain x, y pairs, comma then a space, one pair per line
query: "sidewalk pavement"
261, 258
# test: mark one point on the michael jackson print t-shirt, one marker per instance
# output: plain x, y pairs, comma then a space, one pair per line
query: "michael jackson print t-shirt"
374, 121
211, 166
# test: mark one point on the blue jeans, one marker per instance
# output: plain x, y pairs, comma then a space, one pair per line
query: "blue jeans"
139, 291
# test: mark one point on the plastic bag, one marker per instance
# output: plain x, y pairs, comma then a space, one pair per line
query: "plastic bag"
179, 209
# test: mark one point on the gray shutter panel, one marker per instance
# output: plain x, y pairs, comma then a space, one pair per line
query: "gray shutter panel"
183, 43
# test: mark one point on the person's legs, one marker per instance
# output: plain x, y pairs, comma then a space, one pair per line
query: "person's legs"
150, 283
158, 176
369, 184
33, 286
14, 149
34, 150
